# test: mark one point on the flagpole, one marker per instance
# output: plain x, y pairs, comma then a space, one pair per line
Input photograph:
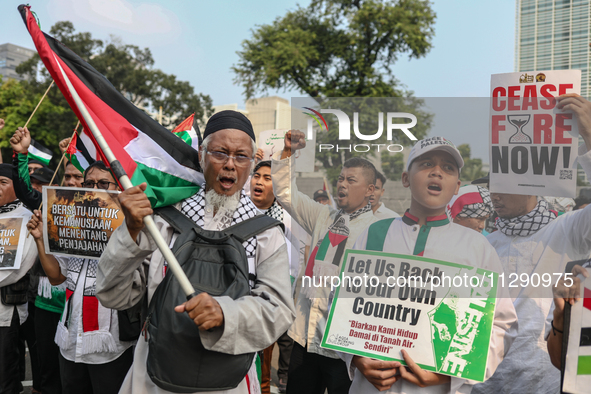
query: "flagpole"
53, 177
126, 183
38, 104
66, 162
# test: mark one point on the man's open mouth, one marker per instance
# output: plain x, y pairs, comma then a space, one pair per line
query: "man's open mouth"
434, 187
227, 182
257, 191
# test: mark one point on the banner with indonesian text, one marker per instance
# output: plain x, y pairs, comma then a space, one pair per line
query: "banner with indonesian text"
79, 222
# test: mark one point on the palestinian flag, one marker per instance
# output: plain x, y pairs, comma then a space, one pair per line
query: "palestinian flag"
39, 152
79, 152
147, 151
186, 132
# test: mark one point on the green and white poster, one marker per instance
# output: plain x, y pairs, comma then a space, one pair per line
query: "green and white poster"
441, 313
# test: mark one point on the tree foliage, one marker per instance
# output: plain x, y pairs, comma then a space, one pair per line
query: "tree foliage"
128, 67
472, 169
336, 48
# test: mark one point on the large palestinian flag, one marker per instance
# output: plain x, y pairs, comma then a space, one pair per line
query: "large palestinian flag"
147, 151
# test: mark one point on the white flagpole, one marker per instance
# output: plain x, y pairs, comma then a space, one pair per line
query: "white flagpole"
126, 183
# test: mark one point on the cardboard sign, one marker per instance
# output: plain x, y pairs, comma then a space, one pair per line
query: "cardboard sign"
577, 369
13, 231
533, 145
79, 222
272, 141
444, 327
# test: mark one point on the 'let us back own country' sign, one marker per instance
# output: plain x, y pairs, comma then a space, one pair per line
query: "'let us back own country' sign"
445, 328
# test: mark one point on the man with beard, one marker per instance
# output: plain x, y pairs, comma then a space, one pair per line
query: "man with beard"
130, 263
313, 369
532, 241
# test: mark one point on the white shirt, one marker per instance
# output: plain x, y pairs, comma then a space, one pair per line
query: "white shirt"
384, 213
11, 276
457, 244
527, 366
74, 349
250, 323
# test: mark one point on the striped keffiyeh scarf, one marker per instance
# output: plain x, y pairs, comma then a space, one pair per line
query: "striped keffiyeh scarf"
529, 223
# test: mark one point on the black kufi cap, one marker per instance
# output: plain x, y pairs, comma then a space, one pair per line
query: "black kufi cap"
6, 170
228, 120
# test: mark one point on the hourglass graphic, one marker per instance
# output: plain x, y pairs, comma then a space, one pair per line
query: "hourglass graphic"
519, 121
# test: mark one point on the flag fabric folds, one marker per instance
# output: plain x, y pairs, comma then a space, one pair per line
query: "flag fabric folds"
147, 151
81, 154
186, 131
39, 152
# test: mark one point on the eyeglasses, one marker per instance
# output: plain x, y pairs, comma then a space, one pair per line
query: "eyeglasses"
101, 184
221, 157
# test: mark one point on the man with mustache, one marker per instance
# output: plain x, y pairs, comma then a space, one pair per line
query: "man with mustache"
532, 240
313, 369
131, 263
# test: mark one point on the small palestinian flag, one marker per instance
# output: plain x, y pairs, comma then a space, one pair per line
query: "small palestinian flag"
79, 152
39, 152
186, 132
146, 150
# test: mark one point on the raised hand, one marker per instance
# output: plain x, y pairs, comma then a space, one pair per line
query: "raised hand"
35, 225
21, 140
135, 206
294, 140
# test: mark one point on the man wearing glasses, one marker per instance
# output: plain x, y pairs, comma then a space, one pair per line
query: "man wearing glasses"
88, 352
247, 324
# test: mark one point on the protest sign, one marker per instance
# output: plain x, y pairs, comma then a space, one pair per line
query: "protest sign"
577, 369
272, 141
441, 313
533, 144
13, 231
79, 222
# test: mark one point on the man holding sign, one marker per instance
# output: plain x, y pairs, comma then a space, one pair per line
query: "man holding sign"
17, 256
432, 174
532, 243
313, 369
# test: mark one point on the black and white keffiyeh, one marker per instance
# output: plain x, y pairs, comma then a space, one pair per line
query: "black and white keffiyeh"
11, 206
194, 208
340, 225
275, 211
529, 223
471, 202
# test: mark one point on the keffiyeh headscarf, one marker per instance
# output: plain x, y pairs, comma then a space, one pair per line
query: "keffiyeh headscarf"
275, 211
529, 223
471, 202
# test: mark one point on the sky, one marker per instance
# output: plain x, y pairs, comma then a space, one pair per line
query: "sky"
198, 40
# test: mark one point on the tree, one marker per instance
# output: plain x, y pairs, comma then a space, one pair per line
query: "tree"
335, 50
393, 165
16, 105
472, 167
128, 67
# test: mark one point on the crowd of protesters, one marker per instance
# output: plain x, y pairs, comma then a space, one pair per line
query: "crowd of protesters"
48, 300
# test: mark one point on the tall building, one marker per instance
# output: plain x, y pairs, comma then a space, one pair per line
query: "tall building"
11, 56
554, 35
